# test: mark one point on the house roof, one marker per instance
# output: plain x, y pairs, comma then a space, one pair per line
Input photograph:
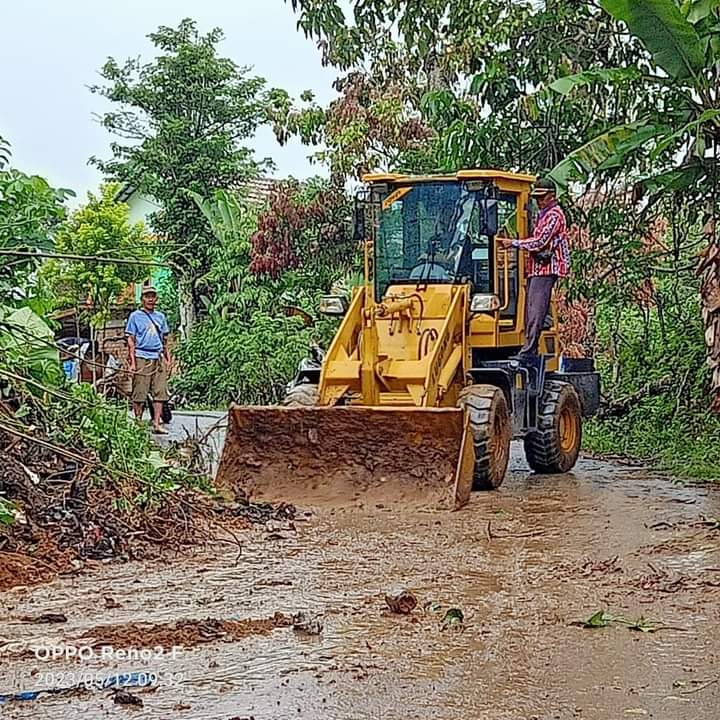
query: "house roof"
257, 190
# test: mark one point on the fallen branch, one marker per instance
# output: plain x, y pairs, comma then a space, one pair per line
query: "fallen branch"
526, 534
621, 407
701, 687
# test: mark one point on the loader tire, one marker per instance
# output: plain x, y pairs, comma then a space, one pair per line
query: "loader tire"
554, 447
492, 432
302, 395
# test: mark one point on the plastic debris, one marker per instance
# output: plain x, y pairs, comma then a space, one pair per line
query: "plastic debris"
308, 623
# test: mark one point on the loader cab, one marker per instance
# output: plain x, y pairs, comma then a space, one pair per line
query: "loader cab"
442, 231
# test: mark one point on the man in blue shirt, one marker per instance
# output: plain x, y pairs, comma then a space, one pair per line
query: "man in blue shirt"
150, 360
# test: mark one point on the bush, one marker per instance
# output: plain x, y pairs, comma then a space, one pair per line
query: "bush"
248, 361
39, 402
658, 408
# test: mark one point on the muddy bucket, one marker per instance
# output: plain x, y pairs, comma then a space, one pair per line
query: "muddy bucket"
349, 455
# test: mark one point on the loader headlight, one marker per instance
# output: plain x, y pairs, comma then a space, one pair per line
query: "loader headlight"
333, 305
484, 303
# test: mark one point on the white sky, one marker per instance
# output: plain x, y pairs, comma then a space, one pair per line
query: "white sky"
51, 50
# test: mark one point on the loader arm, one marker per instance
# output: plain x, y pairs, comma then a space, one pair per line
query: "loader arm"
449, 353
341, 369
404, 351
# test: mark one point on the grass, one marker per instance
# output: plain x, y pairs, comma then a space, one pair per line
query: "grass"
685, 443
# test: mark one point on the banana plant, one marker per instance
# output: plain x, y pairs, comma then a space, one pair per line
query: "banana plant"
224, 211
680, 142
683, 42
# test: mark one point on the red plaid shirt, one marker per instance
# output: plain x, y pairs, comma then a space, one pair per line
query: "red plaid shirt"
550, 234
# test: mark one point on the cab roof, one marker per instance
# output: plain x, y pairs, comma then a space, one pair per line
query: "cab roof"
398, 179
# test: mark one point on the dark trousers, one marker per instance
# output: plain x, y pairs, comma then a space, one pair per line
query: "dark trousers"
537, 305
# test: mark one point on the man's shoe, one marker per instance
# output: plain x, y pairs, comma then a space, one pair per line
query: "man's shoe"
525, 358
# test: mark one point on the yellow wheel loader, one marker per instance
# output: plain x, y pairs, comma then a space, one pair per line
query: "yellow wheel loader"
420, 394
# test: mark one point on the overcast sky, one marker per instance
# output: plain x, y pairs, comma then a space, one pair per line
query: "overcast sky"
50, 50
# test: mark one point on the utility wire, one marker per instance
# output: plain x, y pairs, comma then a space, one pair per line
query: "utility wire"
83, 258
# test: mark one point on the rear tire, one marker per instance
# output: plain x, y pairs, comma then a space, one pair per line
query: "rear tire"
302, 395
554, 447
492, 432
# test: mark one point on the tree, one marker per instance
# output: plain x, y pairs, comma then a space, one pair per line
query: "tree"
183, 119
30, 212
437, 86
620, 95
231, 290
100, 228
307, 227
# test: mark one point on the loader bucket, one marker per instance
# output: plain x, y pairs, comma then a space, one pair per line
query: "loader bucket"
348, 455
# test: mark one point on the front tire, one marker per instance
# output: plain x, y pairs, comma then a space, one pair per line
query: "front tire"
555, 446
492, 432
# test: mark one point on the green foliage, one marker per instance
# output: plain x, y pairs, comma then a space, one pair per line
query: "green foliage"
673, 41
247, 360
75, 418
257, 325
27, 344
653, 368
168, 298
30, 212
673, 151
438, 86
374, 124
184, 117
684, 118
229, 288
100, 228
600, 619
224, 211
7, 511
124, 448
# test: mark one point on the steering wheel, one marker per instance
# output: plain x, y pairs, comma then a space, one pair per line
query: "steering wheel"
427, 271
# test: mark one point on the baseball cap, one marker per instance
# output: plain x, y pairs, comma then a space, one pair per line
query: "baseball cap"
543, 186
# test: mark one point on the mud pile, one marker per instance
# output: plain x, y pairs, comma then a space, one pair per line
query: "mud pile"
185, 633
63, 515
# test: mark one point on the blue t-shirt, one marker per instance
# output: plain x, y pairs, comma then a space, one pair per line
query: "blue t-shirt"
149, 343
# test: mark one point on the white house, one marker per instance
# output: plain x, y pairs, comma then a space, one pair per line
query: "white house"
142, 206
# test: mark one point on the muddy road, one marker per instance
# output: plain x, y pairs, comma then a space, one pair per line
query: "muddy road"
524, 565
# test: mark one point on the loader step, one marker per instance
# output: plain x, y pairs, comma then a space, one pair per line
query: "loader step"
396, 400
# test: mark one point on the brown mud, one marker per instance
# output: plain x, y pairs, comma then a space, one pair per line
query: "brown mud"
330, 456
525, 566
65, 518
185, 633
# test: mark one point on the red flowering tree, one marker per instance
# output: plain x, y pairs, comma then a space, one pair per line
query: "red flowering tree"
306, 227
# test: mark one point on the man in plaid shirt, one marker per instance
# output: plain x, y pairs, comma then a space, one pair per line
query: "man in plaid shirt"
548, 259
